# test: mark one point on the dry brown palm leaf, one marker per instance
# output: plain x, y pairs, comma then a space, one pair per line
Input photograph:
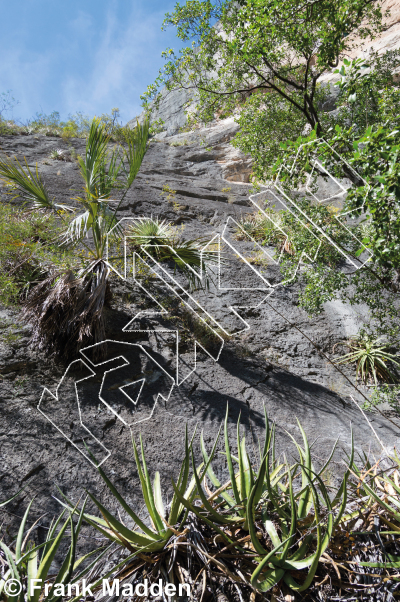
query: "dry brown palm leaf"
66, 311
287, 247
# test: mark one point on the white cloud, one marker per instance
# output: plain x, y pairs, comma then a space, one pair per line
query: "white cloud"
125, 61
84, 66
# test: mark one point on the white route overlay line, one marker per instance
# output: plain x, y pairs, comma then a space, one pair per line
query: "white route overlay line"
101, 398
56, 397
129, 271
343, 191
142, 380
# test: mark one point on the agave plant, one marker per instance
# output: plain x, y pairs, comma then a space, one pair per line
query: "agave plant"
266, 228
371, 358
28, 565
260, 528
59, 155
381, 500
159, 533
265, 499
303, 516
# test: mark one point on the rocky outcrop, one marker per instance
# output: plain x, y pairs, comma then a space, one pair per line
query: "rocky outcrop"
171, 111
280, 361
200, 183
389, 39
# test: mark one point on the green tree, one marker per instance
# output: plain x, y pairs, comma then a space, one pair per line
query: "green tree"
276, 49
370, 220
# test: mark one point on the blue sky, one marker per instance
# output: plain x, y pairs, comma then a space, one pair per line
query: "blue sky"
86, 55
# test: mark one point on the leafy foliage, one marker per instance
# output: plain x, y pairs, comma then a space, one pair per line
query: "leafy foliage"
370, 216
371, 358
266, 121
376, 158
29, 250
296, 235
29, 564
368, 91
381, 488
66, 307
271, 526
77, 125
164, 525
388, 393
237, 57
7, 103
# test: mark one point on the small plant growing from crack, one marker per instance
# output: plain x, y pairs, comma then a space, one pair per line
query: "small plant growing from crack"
167, 190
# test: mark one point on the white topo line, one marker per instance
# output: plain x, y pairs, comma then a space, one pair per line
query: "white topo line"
129, 271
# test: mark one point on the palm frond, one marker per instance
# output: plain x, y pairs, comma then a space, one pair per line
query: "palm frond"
149, 231
92, 166
109, 174
78, 228
158, 239
187, 257
136, 141
10, 499
26, 185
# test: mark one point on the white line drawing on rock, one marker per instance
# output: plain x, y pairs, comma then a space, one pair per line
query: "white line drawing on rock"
55, 396
89, 364
123, 387
129, 270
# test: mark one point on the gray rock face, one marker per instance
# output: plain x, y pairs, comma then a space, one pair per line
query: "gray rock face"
281, 360
171, 111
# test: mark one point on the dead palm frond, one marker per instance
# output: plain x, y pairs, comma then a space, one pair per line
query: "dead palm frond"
66, 311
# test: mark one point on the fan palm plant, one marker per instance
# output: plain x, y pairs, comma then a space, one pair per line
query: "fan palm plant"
151, 237
66, 308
